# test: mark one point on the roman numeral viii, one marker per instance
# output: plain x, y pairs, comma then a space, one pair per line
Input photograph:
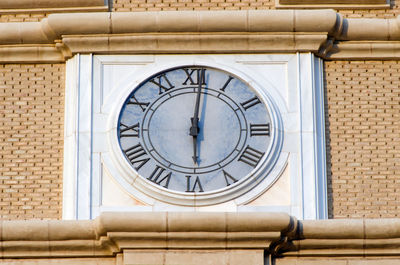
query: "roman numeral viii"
157, 177
137, 155
129, 131
251, 156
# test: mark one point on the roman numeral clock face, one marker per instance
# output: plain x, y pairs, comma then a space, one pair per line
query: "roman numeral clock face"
194, 130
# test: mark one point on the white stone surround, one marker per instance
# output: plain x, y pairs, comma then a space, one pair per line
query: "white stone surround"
96, 87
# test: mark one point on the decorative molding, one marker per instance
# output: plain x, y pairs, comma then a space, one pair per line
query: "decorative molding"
52, 6
363, 50
280, 236
336, 4
113, 233
253, 31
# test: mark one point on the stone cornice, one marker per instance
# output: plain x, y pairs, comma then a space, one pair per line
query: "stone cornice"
113, 233
51, 6
336, 4
346, 238
278, 234
323, 32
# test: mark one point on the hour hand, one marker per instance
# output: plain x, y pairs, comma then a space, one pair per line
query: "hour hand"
194, 129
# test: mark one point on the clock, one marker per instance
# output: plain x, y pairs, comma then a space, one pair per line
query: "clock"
197, 135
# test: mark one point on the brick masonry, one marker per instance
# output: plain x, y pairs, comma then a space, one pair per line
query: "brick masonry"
164, 5
362, 110
31, 140
363, 125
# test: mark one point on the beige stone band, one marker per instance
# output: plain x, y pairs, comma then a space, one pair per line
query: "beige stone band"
43, 6
276, 233
323, 32
113, 233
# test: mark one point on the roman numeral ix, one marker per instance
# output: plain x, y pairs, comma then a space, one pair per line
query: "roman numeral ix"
251, 156
137, 155
129, 131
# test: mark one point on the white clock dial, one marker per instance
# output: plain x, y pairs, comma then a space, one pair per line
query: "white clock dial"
194, 129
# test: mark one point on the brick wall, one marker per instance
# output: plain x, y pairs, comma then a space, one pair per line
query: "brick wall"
31, 140
363, 113
158, 5
21, 17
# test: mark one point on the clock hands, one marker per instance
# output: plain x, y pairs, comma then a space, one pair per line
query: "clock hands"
194, 129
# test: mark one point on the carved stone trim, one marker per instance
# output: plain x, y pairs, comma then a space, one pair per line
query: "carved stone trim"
336, 4
278, 234
323, 32
51, 6
113, 233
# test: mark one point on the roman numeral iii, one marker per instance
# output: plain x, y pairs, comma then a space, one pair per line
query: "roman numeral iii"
259, 129
251, 156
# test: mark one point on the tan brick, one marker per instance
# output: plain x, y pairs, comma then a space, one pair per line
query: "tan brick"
362, 161
32, 149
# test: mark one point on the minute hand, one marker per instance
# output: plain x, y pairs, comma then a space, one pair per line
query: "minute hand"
194, 129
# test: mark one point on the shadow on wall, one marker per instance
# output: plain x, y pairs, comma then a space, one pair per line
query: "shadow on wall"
328, 150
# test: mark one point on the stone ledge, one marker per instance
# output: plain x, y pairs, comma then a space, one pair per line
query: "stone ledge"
278, 234
113, 233
323, 32
336, 4
51, 6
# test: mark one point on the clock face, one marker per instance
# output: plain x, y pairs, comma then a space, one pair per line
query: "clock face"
194, 129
